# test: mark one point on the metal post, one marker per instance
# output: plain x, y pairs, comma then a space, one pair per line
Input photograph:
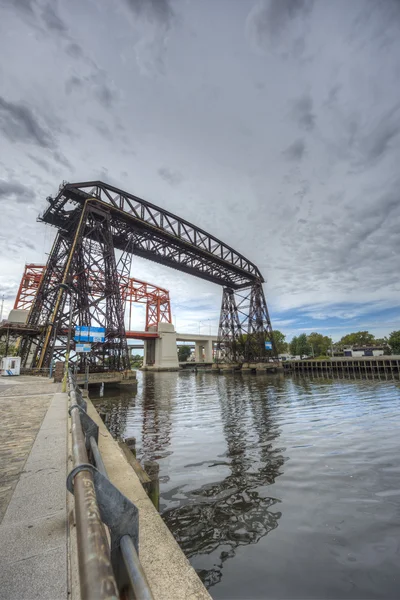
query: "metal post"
152, 469
71, 308
86, 387
7, 341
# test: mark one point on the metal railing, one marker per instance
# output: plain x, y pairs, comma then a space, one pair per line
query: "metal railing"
105, 573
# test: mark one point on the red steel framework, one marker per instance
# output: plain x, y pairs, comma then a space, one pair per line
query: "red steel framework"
29, 286
158, 305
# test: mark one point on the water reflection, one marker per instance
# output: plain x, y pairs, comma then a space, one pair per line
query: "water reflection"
238, 510
115, 404
157, 395
241, 454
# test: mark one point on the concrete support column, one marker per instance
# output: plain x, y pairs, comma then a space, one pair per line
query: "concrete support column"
198, 352
165, 357
208, 351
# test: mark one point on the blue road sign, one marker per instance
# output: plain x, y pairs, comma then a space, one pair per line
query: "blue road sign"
83, 347
90, 334
268, 345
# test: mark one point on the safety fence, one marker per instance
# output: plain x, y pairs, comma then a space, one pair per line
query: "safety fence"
107, 522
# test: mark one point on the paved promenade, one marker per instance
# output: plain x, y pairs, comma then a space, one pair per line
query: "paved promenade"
33, 519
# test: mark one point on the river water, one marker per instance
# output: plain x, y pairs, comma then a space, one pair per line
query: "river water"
274, 487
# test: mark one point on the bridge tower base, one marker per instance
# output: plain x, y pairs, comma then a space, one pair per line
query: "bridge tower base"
160, 354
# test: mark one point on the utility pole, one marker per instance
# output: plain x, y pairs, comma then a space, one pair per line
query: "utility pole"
1, 311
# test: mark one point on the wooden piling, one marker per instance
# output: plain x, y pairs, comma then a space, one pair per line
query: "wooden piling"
152, 469
131, 443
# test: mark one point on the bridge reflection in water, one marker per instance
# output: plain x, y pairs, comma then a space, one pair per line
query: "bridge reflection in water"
238, 510
210, 520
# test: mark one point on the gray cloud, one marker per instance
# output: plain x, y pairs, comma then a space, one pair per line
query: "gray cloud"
25, 6
279, 12
74, 82
302, 112
152, 21
96, 82
40, 162
270, 21
153, 10
377, 142
102, 129
51, 19
295, 151
14, 189
74, 50
172, 177
19, 123
62, 160
105, 95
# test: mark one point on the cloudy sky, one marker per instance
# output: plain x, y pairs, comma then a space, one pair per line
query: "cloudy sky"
272, 124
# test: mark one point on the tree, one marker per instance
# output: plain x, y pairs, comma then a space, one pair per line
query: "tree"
136, 361
303, 347
11, 349
319, 343
293, 346
183, 353
384, 342
394, 342
359, 338
279, 338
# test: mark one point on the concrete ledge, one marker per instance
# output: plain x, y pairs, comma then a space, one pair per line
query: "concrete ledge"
33, 533
160, 369
168, 571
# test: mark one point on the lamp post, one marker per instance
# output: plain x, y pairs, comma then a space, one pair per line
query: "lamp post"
70, 291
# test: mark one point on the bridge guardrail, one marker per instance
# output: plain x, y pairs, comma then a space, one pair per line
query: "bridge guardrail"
105, 573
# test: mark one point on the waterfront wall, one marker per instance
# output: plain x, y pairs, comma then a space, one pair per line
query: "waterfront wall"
370, 367
170, 575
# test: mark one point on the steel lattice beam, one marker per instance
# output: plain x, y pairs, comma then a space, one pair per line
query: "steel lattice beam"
156, 234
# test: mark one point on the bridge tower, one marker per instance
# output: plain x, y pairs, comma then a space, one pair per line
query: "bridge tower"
245, 326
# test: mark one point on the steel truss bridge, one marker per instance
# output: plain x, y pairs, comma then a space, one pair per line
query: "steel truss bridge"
99, 229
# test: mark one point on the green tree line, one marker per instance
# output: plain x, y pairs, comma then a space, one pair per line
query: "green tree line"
317, 344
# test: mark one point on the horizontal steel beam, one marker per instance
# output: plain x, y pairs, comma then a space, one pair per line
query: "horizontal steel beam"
156, 234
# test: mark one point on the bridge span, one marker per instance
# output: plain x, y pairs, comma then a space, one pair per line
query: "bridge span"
160, 346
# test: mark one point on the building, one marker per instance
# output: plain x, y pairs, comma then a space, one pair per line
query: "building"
357, 351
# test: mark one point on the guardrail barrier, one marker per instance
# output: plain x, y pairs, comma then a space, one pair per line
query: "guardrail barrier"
107, 571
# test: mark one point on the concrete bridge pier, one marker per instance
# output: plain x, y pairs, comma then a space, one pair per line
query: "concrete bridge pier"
160, 354
203, 351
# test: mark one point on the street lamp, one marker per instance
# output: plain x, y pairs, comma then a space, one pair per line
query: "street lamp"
69, 290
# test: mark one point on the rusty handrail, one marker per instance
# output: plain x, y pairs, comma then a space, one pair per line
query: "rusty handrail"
96, 574
95, 571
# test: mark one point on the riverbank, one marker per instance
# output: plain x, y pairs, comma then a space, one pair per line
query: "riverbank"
38, 542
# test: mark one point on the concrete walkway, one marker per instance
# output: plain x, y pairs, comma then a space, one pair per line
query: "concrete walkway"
33, 459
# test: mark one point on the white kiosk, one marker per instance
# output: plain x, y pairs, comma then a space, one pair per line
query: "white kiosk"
10, 365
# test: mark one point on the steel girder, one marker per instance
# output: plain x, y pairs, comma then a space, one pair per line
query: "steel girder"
156, 234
